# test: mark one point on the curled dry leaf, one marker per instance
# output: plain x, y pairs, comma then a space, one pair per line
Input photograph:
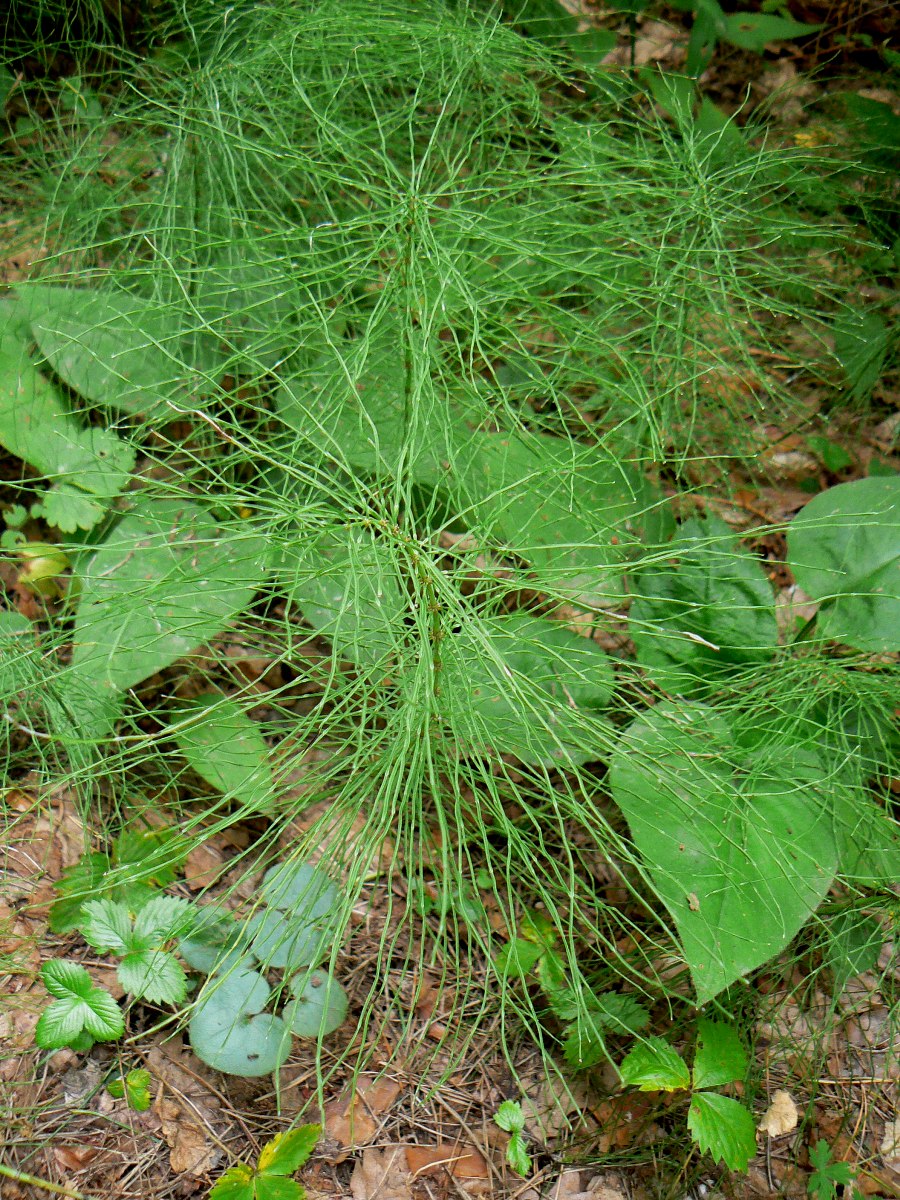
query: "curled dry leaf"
780, 1117
381, 1175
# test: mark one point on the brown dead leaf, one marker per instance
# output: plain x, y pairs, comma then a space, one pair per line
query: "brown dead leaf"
357, 1114
74, 1158
203, 866
191, 1117
191, 1152
381, 1175
780, 1117
890, 1144
461, 1161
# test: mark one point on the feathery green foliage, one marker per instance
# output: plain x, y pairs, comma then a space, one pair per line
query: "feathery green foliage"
406, 351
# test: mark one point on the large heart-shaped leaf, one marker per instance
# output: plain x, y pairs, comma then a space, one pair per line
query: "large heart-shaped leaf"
117, 348
740, 847
703, 614
348, 587
844, 550
571, 512
225, 748
165, 580
527, 686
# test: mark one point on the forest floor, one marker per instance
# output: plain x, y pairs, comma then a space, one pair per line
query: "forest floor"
418, 1123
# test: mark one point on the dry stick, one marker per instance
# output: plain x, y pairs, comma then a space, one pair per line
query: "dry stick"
45, 1184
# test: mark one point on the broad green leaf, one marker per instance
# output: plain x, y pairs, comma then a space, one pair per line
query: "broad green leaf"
517, 958
79, 1007
571, 512
608, 1012
161, 919
287, 1152
118, 349
230, 1031
739, 846
225, 748
350, 404
235, 1184
844, 550
36, 426
720, 1057
723, 1128
655, 1066
552, 22
153, 975
526, 686
68, 508
754, 31
135, 1087
703, 613
826, 1175
319, 1007
861, 343
165, 580
347, 586
853, 946
510, 1117
517, 1154
107, 926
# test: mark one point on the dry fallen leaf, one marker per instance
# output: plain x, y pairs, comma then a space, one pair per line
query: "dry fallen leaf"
355, 1116
191, 1151
191, 1119
890, 1144
381, 1175
463, 1162
780, 1117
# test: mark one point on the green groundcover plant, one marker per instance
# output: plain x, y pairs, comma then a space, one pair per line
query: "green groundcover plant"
359, 353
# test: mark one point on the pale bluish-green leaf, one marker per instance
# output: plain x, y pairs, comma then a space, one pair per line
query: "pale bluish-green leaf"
720, 1057
740, 847
319, 1006
704, 612
526, 686
723, 1129
655, 1066
230, 1031
225, 748
844, 550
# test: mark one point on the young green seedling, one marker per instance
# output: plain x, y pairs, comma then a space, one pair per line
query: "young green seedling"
81, 1014
268, 1180
719, 1125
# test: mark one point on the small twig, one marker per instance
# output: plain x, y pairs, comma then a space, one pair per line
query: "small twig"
45, 1184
